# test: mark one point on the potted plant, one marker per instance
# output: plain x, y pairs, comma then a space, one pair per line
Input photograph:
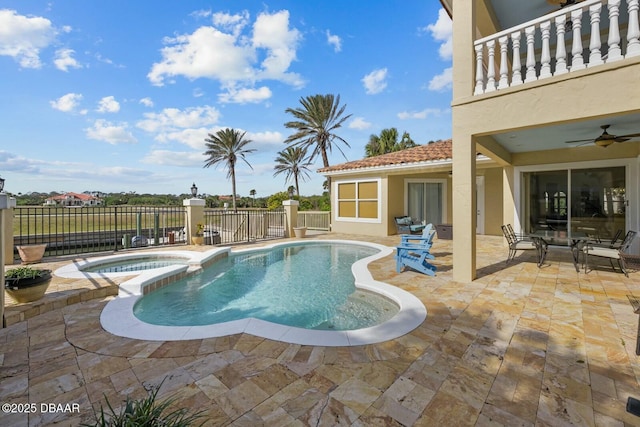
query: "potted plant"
30, 254
198, 239
26, 284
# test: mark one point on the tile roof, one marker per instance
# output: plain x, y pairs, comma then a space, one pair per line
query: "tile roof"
435, 151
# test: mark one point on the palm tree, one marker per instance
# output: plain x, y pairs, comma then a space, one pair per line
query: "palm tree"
387, 142
315, 125
226, 147
252, 193
294, 164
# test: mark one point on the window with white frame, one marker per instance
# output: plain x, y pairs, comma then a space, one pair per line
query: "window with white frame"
359, 200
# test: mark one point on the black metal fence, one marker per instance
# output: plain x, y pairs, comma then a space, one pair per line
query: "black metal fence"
92, 229
74, 230
225, 226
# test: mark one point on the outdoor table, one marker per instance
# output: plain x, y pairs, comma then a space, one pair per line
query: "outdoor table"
561, 239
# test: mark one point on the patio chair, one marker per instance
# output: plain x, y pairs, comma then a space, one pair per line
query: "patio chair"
405, 225
516, 243
414, 257
611, 253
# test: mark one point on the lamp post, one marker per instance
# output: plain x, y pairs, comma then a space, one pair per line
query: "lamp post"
291, 192
194, 190
1, 184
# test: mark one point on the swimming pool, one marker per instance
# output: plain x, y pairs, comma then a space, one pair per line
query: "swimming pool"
304, 285
118, 316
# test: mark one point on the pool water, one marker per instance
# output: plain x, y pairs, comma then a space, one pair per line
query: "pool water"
134, 265
308, 286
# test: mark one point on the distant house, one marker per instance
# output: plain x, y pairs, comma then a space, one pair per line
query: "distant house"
73, 199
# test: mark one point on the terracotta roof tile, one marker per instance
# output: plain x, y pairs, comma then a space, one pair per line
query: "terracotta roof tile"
439, 150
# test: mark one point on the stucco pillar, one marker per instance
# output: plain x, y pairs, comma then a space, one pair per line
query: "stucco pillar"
6, 240
508, 197
464, 208
7, 231
194, 216
291, 212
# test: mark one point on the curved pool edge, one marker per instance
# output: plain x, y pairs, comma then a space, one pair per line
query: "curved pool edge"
117, 317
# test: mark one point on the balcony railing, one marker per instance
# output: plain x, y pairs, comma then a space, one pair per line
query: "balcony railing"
568, 26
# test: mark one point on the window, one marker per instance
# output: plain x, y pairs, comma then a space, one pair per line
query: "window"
359, 200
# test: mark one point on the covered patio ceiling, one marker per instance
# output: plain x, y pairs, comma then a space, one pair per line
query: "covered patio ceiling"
553, 137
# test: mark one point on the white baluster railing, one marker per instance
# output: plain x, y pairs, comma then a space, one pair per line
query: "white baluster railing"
567, 22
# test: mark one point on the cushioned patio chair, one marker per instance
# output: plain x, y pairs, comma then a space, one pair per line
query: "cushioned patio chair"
516, 243
609, 253
405, 225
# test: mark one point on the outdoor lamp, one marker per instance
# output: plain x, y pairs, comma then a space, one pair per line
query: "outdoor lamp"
291, 191
1, 184
194, 190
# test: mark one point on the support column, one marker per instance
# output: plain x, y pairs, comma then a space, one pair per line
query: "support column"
464, 207
291, 211
194, 216
6, 241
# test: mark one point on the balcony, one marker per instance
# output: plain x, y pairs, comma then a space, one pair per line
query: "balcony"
583, 36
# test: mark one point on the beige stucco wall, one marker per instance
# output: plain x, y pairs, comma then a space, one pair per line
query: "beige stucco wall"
357, 227
492, 200
393, 201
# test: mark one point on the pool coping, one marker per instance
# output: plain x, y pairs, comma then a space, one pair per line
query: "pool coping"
117, 317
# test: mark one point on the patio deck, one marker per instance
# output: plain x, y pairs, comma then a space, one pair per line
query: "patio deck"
518, 346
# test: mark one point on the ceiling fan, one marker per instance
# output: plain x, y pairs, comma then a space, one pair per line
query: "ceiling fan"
563, 3
606, 139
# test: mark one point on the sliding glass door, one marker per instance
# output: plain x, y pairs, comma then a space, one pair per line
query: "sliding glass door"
590, 201
425, 201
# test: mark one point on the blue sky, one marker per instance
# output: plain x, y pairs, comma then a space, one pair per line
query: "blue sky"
119, 95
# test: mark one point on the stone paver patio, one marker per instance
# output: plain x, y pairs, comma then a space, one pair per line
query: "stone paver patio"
519, 346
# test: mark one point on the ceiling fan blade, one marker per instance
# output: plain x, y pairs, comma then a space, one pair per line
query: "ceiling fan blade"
620, 139
580, 140
631, 135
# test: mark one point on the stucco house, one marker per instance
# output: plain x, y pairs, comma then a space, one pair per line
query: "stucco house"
368, 194
73, 199
546, 127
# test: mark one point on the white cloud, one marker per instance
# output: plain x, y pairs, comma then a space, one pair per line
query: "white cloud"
22, 37
234, 23
359, 123
442, 31
335, 41
433, 112
271, 32
108, 104
147, 102
67, 103
442, 81
174, 158
192, 137
266, 138
227, 52
245, 95
374, 82
65, 60
171, 119
104, 130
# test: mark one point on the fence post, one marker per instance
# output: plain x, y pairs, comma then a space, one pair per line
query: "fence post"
156, 229
6, 240
291, 212
194, 216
